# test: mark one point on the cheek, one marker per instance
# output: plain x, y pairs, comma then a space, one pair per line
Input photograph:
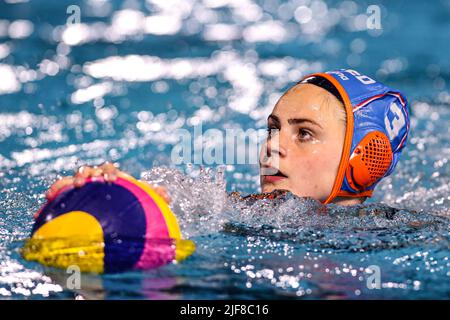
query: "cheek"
315, 170
326, 161
313, 162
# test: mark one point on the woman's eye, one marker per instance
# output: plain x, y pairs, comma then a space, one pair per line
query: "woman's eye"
304, 135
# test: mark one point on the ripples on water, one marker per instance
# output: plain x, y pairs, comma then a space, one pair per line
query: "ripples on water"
119, 84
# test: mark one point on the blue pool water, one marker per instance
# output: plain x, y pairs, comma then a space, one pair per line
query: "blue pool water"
117, 86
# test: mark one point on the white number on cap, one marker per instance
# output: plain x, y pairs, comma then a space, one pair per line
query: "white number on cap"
361, 77
393, 127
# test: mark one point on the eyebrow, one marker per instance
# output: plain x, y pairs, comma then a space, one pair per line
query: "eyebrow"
294, 120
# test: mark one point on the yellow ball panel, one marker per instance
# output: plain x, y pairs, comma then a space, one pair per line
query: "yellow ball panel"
72, 239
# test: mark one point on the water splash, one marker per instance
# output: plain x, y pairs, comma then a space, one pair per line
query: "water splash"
198, 200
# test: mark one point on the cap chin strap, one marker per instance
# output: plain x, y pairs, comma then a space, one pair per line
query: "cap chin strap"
345, 157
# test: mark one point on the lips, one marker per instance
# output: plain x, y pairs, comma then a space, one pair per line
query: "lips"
275, 177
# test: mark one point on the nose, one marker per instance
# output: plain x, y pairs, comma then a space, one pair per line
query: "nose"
276, 145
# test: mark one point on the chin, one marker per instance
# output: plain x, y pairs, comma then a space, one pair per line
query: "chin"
266, 187
269, 187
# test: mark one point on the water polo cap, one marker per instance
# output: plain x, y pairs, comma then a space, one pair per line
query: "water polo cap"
376, 132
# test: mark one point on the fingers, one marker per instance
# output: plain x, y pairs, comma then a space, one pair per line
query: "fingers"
162, 191
109, 171
96, 172
80, 177
57, 186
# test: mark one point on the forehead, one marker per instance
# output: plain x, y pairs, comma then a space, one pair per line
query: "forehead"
306, 100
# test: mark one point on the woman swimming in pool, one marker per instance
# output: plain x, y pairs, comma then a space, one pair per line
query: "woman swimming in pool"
332, 137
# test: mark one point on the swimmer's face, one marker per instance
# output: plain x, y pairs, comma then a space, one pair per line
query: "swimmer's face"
305, 143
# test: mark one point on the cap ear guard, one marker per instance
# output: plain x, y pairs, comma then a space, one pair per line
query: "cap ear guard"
370, 161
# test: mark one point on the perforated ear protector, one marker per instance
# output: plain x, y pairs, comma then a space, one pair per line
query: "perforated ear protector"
376, 131
370, 161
